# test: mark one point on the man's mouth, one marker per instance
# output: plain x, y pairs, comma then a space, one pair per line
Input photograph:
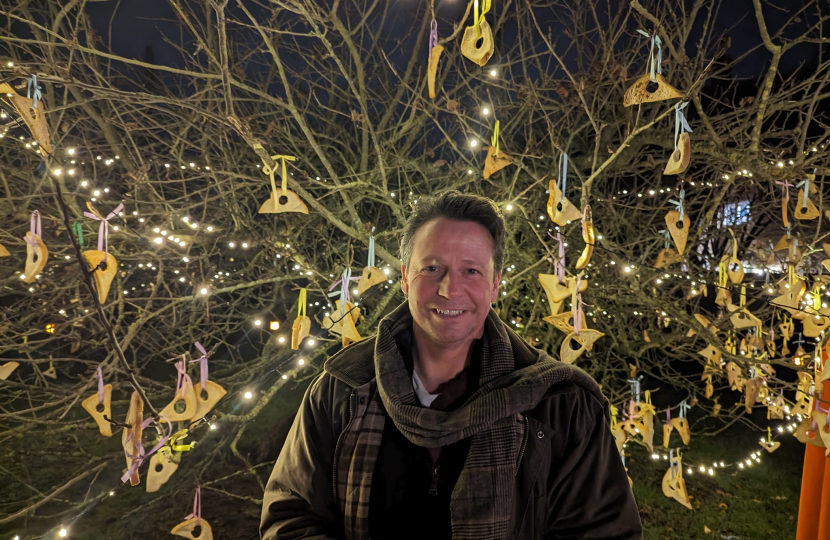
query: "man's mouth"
449, 312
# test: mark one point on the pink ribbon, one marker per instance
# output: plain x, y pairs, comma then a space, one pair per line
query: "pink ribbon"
433, 35
203, 367
34, 227
139, 459
785, 189
104, 229
668, 416
559, 264
100, 386
183, 378
197, 506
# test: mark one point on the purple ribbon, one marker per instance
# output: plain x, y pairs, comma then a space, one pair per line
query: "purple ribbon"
183, 379
433, 35
34, 228
203, 367
345, 277
197, 506
577, 308
104, 229
100, 386
139, 459
559, 264
668, 416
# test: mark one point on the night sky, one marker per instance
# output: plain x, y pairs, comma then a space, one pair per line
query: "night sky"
137, 24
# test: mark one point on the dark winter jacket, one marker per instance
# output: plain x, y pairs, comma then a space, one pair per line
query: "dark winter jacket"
542, 462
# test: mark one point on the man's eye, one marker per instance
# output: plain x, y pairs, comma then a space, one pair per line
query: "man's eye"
431, 268
473, 271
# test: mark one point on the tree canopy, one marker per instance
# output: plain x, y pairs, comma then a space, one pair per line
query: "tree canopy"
185, 140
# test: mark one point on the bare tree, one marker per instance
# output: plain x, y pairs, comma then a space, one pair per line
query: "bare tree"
183, 142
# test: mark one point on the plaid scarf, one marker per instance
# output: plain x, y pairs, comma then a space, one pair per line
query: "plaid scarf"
514, 378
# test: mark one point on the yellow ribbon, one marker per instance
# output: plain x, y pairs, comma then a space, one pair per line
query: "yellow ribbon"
302, 303
494, 140
816, 299
269, 171
722, 275
646, 407
478, 17
614, 413
791, 275
769, 435
743, 295
176, 437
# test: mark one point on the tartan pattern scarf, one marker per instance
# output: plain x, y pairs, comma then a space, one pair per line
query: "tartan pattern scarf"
514, 378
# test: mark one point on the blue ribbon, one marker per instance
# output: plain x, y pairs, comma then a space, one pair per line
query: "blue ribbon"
635, 388
666, 237
344, 280
652, 68
33, 91
562, 181
806, 185
680, 123
683, 408
679, 204
371, 260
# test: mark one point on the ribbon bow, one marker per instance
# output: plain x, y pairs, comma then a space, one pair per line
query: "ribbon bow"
494, 140
34, 228
433, 35
371, 259
646, 407
654, 66
683, 408
104, 228
678, 205
635, 388
183, 378
785, 189
344, 280
197, 506
33, 91
680, 123
283, 171
666, 238
478, 17
806, 185
559, 262
562, 181
203, 366
139, 459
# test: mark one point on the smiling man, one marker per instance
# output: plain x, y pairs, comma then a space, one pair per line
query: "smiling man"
447, 425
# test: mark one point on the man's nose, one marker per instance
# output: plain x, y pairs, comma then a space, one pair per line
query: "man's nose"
449, 286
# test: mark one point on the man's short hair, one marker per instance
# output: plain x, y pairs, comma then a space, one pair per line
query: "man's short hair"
459, 207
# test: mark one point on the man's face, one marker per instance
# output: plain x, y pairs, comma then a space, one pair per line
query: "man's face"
449, 281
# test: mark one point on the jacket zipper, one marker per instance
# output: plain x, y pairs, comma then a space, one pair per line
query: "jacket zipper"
524, 446
433, 489
337, 446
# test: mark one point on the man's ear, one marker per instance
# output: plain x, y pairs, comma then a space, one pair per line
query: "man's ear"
404, 281
495, 293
